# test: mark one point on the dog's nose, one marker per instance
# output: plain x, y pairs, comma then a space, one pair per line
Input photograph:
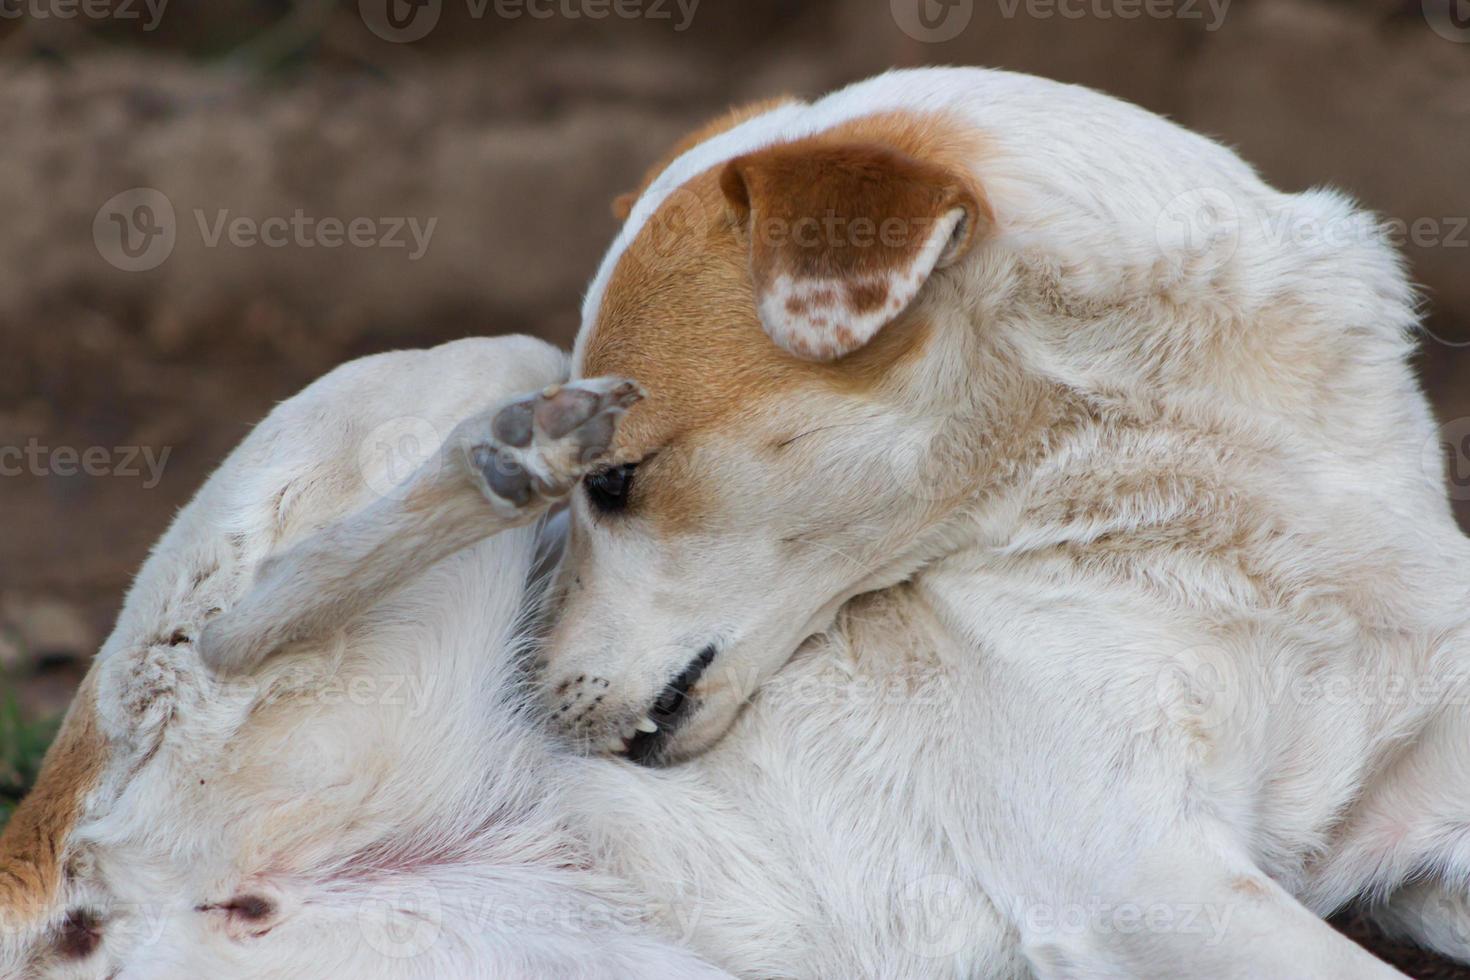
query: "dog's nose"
669, 709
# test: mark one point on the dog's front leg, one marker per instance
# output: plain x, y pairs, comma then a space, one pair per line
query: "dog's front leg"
496, 471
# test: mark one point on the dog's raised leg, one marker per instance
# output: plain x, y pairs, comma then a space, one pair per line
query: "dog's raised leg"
519, 459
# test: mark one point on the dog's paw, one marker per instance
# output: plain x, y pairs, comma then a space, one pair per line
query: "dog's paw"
534, 450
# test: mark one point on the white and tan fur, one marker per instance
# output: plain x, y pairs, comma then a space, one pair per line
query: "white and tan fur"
981, 743
1173, 501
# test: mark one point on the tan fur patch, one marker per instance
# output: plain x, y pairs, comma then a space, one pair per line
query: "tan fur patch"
679, 314
32, 848
1249, 887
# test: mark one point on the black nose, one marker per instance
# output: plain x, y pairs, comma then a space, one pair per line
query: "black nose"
671, 699
669, 708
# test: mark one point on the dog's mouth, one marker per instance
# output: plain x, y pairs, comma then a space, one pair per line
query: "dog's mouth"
669, 711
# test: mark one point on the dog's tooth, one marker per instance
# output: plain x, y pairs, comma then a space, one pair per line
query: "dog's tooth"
647, 725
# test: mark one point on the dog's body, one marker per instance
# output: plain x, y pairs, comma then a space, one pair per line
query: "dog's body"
1153, 497
1140, 434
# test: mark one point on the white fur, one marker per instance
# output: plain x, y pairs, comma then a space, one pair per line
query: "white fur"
1213, 619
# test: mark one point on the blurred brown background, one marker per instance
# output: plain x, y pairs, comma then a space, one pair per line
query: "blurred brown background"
510, 124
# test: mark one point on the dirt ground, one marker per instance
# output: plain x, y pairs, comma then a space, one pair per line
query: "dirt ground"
512, 136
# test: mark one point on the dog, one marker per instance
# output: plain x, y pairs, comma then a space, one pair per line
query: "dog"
1133, 434
311, 746
243, 788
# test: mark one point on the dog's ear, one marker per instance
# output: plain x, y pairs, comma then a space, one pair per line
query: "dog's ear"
842, 237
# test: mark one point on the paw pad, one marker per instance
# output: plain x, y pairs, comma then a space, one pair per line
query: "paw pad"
541, 445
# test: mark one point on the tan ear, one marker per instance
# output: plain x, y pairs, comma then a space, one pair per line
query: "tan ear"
842, 237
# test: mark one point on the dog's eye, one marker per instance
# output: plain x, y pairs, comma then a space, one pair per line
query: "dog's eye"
608, 489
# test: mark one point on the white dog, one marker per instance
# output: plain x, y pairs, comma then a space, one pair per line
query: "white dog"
985, 771
1137, 435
